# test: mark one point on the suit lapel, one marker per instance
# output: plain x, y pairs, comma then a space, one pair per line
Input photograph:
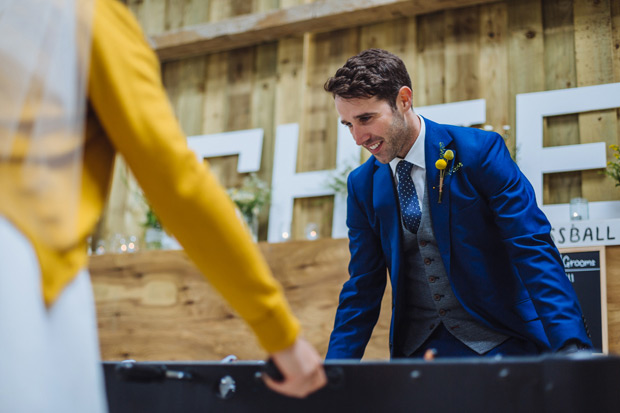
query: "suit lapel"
440, 212
388, 215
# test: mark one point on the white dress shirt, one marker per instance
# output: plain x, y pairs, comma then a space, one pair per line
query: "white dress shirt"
417, 158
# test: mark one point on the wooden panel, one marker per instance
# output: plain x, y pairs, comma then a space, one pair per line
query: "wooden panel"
290, 3
156, 305
241, 7
493, 66
398, 36
290, 101
215, 109
240, 94
318, 137
185, 84
291, 78
219, 10
318, 140
204, 103
225, 101
263, 115
612, 257
266, 5
156, 16
217, 113
560, 73
508, 47
194, 11
125, 210
525, 48
559, 33
615, 25
462, 54
429, 80
175, 14
594, 66
615, 22
180, 13
315, 212
239, 84
151, 14
324, 16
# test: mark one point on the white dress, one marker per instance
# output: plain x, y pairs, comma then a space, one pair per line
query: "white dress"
49, 357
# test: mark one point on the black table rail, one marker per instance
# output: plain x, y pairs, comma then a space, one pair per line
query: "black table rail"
562, 384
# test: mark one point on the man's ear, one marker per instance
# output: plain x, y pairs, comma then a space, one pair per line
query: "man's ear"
404, 100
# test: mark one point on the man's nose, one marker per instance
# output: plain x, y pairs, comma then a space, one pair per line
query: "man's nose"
359, 136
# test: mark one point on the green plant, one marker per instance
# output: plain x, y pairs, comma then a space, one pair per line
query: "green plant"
151, 220
253, 194
337, 180
613, 167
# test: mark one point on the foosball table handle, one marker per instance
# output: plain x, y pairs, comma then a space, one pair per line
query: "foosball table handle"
271, 370
141, 372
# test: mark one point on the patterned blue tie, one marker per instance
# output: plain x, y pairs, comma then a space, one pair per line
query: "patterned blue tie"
408, 197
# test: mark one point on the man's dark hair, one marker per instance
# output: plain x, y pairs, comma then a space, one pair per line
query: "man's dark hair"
373, 72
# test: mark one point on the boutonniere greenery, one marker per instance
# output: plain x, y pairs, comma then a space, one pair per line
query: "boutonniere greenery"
445, 157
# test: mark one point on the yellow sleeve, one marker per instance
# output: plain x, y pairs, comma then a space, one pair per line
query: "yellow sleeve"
128, 96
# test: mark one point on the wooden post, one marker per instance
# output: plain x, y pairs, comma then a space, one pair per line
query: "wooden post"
462, 54
526, 50
593, 40
493, 67
429, 82
560, 73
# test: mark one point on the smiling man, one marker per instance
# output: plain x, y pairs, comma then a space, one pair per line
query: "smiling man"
447, 212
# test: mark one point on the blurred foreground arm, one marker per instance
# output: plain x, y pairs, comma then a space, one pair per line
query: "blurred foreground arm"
130, 102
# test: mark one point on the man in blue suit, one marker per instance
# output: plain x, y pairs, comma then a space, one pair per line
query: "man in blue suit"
448, 213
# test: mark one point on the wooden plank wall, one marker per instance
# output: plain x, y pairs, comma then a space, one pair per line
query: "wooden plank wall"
492, 51
157, 306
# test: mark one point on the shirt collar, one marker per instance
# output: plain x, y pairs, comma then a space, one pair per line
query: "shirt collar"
416, 153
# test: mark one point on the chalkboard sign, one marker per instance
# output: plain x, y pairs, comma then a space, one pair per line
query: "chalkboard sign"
585, 268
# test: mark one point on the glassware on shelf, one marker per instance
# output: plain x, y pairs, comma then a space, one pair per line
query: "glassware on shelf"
312, 231
579, 209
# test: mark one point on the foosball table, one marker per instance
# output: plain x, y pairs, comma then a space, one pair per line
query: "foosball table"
563, 384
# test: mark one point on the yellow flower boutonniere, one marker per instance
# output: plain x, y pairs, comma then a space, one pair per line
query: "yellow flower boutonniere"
445, 156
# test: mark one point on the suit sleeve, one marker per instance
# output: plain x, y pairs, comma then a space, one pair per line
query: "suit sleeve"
525, 232
361, 295
126, 92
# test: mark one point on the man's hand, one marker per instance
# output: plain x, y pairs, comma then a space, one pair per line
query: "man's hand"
573, 347
302, 369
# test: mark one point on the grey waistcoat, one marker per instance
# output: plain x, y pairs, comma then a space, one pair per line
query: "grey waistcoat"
428, 296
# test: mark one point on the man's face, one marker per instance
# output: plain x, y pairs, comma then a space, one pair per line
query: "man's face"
376, 126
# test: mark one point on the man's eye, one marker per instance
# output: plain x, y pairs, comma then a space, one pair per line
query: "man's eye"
364, 119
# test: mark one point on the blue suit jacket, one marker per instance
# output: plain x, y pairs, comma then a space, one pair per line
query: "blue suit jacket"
494, 241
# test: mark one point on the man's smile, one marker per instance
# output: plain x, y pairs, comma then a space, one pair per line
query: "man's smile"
374, 148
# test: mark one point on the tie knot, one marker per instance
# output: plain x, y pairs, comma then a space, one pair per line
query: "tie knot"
403, 167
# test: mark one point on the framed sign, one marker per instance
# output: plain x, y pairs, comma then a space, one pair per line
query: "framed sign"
585, 268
